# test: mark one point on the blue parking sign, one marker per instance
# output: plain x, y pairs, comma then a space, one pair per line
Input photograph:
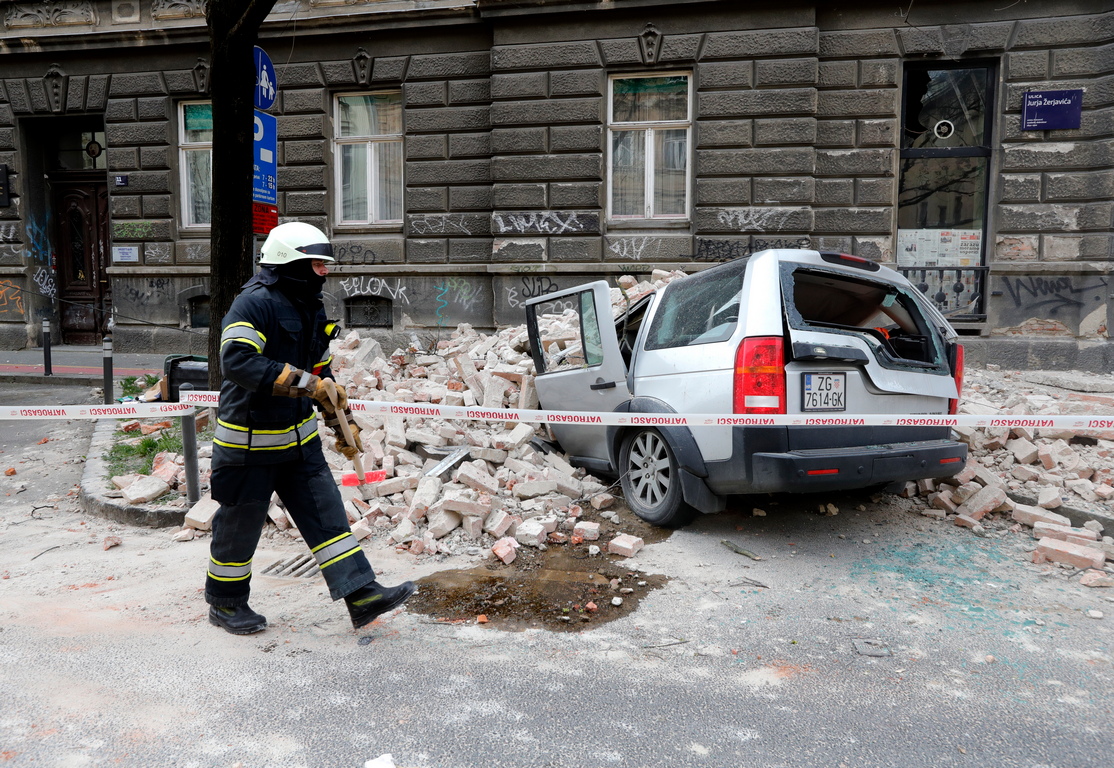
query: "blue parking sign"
266, 84
265, 150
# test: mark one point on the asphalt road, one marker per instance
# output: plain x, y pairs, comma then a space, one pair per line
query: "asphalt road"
986, 660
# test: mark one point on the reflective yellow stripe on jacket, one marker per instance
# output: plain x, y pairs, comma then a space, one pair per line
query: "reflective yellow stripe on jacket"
237, 436
243, 332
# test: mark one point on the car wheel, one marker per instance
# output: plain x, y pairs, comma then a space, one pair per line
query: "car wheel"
651, 480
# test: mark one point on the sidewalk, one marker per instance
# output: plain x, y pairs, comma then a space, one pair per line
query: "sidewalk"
77, 365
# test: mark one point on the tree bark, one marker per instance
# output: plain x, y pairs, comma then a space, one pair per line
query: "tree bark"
233, 31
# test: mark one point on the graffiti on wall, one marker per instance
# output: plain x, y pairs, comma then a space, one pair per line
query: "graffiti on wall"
11, 298
354, 252
37, 240
633, 248
439, 224
726, 250
44, 278
363, 285
544, 222
1052, 294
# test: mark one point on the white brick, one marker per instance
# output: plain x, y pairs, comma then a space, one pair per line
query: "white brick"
531, 533
201, 514
145, 489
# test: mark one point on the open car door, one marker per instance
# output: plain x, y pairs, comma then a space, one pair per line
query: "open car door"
578, 362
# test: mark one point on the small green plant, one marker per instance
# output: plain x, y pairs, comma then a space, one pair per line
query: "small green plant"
126, 458
137, 385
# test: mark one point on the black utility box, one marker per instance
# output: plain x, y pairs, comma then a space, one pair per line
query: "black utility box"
185, 369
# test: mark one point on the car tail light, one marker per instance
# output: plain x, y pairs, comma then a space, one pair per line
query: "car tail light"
957, 374
760, 375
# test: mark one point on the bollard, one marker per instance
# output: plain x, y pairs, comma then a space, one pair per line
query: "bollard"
47, 370
107, 342
189, 451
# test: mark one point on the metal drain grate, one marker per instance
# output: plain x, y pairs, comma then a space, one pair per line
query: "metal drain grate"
303, 565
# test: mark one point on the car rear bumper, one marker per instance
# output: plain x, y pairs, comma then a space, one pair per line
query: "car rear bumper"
838, 468
762, 461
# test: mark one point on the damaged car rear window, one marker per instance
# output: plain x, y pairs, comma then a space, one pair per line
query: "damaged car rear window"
888, 317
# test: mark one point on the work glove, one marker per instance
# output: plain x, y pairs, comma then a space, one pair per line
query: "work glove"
294, 382
333, 422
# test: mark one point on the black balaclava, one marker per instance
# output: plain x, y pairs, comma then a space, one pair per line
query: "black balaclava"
297, 278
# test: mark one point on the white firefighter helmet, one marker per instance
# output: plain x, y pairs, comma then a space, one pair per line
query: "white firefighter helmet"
296, 240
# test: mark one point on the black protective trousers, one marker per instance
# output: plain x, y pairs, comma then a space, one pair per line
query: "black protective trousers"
307, 488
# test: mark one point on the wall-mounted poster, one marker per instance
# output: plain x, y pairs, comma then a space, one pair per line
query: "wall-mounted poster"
939, 247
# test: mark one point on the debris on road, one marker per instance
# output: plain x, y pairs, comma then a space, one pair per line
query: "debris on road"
1031, 476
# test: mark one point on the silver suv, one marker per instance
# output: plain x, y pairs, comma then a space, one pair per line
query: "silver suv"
780, 332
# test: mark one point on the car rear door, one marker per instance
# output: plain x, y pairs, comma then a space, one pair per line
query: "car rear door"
578, 362
861, 342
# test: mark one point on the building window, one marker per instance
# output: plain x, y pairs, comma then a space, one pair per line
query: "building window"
368, 139
368, 312
195, 151
650, 123
942, 186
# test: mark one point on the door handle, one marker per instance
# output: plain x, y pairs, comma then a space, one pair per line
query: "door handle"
603, 385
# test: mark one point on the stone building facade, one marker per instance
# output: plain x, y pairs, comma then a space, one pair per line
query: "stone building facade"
466, 155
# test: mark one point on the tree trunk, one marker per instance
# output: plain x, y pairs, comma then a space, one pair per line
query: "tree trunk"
233, 30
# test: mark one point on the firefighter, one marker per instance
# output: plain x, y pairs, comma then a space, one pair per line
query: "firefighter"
275, 361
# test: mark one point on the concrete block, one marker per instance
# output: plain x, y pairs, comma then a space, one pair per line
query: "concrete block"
602, 500
986, 500
624, 544
1023, 451
476, 478
443, 522
473, 526
361, 529
479, 507
425, 495
1027, 515
1063, 532
145, 489
1049, 497
531, 532
534, 488
587, 530
497, 522
504, 549
1072, 554
201, 514
405, 532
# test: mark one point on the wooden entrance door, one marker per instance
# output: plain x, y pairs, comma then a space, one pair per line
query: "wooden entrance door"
81, 214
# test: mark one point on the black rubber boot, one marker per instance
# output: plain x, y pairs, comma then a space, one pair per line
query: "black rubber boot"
368, 603
240, 620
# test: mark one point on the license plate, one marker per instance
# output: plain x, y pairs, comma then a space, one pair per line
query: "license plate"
824, 392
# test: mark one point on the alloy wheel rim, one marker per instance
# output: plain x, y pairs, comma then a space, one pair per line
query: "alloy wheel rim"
648, 468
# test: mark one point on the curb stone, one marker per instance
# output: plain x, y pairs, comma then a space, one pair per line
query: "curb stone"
94, 482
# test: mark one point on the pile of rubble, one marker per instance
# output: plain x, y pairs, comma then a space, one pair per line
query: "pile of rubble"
1020, 477
168, 472
449, 485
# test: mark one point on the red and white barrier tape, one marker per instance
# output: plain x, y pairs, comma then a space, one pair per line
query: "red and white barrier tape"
382, 408
118, 411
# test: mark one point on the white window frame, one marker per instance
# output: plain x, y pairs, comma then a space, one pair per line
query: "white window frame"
649, 127
185, 147
374, 142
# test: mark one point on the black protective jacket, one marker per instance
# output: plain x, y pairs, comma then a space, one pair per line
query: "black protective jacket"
266, 328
